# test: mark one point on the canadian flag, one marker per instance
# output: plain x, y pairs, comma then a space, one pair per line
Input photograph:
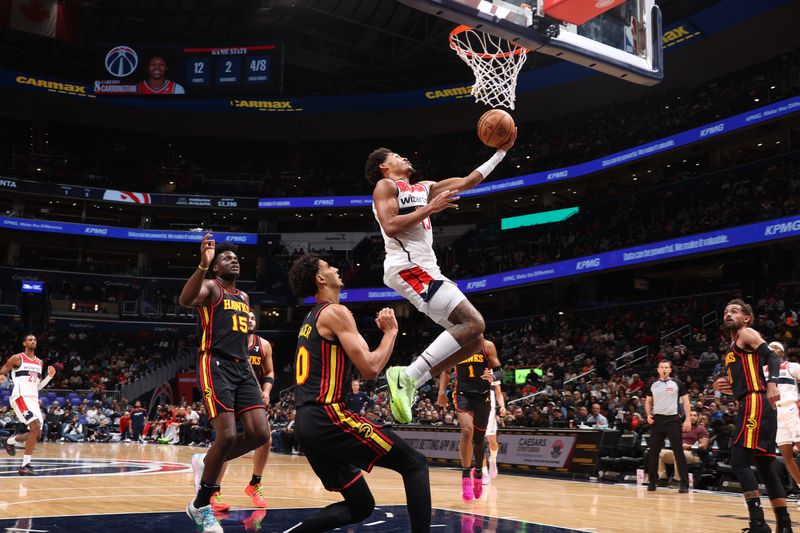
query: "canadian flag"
51, 18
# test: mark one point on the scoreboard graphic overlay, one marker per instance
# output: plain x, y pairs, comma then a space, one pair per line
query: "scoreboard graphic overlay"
144, 70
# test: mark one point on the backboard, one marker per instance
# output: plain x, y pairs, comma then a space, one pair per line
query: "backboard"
624, 41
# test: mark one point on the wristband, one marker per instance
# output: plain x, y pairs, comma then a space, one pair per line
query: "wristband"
268, 379
497, 374
44, 382
486, 168
495, 383
200, 267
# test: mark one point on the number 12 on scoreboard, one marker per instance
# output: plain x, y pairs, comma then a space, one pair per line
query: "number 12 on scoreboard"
258, 69
199, 71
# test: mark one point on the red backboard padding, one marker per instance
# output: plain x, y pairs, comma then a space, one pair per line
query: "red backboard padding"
578, 11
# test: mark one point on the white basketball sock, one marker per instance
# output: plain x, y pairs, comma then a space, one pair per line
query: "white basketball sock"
493, 453
440, 349
26, 459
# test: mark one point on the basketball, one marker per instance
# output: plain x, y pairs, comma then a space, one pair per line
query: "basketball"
495, 127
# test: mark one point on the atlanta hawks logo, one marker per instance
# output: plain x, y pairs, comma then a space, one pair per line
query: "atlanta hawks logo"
751, 424
365, 430
207, 393
730, 358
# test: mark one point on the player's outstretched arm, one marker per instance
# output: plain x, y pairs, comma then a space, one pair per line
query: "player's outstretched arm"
197, 290
476, 176
338, 320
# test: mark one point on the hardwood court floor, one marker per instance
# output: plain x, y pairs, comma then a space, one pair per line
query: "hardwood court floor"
155, 478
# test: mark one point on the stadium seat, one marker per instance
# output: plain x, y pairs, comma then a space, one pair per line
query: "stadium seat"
625, 459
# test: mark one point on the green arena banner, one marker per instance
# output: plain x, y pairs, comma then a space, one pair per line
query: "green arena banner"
534, 219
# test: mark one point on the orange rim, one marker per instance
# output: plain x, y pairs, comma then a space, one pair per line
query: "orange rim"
518, 50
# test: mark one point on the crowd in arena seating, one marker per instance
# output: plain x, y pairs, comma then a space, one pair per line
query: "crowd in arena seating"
686, 204
97, 361
592, 369
146, 162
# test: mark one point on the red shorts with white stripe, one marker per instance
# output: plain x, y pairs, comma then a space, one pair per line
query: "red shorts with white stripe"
27, 409
429, 291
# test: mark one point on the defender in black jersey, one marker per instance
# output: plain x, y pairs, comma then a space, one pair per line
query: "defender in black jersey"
226, 380
340, 444
756, 423
259, 353
474, 378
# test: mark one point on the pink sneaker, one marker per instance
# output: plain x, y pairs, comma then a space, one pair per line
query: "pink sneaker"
477, 485
466, 489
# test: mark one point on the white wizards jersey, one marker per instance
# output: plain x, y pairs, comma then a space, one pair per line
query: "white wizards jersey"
413, 247
787, 386
26, 377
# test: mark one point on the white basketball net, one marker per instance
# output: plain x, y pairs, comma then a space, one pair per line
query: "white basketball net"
495, 61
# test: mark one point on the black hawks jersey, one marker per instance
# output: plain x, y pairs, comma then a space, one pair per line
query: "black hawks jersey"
744, 371
258, 359
468, 375
222, 326
320, 366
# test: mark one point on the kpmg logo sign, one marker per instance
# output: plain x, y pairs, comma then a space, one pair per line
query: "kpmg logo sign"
586, 264
480, 284
96, 231
785, 227
324, 202
713, 130
558, 175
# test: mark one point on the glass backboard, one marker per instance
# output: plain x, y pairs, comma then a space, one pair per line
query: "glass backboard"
624, 41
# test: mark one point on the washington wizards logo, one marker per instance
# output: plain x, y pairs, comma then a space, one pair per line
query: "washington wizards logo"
121, 61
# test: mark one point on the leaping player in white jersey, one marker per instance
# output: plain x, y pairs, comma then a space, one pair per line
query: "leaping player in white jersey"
26, 372
788, 417
403, 211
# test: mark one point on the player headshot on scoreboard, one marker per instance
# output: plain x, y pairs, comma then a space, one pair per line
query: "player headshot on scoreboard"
156, 81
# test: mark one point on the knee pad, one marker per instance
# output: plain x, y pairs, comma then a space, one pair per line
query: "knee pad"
767, 470
741, 461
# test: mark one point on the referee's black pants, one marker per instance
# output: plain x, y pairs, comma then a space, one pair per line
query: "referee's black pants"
666, 426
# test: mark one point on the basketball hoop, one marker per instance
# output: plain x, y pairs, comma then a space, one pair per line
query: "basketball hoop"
496, 63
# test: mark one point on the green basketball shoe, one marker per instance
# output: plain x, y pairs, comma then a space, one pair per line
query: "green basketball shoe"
401, 393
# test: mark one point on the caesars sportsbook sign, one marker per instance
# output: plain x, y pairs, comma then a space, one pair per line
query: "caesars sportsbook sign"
566, 452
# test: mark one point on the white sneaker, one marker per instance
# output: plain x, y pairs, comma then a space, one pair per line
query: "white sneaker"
493, 467
197, 467
203, 518
486, 479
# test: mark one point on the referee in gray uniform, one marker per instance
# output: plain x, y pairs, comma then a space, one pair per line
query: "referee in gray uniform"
661, 406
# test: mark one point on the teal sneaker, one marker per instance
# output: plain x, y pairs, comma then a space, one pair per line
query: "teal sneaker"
401, 393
